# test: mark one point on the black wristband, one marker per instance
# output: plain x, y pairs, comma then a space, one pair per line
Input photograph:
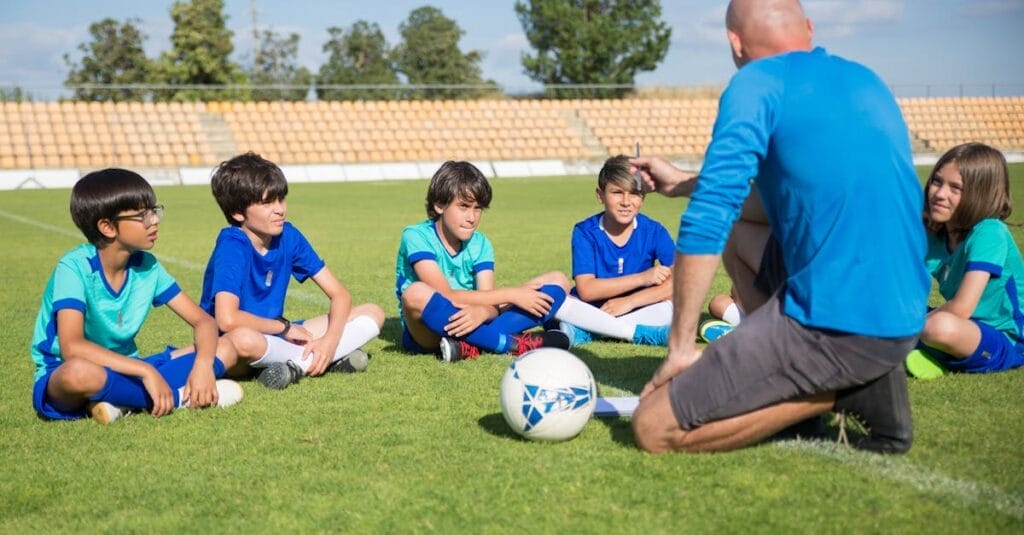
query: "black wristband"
287, 325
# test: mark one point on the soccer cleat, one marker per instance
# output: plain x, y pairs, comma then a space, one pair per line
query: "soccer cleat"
923, 366
453, 350
883, 406
577, 336
105, 413
355, 361
228, 393
280, 375
712, 330
521, 343
651, 335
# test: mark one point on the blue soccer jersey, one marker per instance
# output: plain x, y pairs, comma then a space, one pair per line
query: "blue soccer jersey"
826, 145
260, 281
421, 242
988, 247
594, 253
111, 319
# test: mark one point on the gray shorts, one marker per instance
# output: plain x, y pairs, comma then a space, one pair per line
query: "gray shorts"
771, 358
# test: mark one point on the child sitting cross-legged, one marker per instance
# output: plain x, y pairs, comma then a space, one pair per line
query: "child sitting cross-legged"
94, 304
448, 300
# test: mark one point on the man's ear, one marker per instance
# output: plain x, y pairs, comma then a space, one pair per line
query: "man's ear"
736, 44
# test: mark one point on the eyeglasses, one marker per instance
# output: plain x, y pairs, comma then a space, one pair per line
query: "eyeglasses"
148, 217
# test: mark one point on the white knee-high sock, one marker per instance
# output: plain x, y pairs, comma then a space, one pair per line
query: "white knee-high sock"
593, 319
654, 314
732, 314
358, 331
278, 350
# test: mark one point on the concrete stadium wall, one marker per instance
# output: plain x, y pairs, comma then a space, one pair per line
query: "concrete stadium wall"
65, 178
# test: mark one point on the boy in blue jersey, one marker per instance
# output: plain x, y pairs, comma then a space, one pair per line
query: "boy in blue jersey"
621, 264
448, 301
972, 255
246, 280
94, 304
824, 141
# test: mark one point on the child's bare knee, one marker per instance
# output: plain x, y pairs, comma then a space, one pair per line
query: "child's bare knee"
416, 296
941, 327
80, 376
372, 311
245, 342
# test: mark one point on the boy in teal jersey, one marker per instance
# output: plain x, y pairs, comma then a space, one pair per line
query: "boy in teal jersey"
448, 301
96, 301
972, 255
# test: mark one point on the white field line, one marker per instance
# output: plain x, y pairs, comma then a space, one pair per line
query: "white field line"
898, 469
164, 258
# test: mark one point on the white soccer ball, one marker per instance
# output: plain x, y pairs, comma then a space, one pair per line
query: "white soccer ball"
548, 394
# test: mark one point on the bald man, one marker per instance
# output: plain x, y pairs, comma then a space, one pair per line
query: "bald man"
826, 146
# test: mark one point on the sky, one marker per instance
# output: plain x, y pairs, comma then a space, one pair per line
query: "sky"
937, 47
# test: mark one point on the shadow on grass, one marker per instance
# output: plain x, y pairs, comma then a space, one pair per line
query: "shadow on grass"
625, 373
496, 425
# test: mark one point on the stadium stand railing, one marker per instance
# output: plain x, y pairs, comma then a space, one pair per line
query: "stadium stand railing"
87, 135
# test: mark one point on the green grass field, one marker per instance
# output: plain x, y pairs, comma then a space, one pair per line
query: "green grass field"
415, 445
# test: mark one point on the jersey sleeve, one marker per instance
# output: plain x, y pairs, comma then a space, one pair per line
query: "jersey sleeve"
485, 259
305, 261
68, 288
230, 262
415, 246
986, 248
166, 286
584, 253
664, 249
739, 142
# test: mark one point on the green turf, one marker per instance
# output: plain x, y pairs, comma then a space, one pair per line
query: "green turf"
415, 445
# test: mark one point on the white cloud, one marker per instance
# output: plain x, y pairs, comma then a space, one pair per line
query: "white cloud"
842, 18
33, 54
991, 8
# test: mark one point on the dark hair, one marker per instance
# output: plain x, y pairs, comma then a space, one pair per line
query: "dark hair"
245, 180
986, 189
616, 171
456, 179
104, 194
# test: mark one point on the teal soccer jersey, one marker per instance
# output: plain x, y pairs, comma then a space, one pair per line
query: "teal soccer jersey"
989, 247
421, 242
112, 319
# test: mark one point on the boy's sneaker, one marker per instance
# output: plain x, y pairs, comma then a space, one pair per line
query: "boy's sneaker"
105, 413
651, 335
577, 336
453, 350
883, 406
922, 366
228, 393
521, 343
712, 330
280, 375
356, 361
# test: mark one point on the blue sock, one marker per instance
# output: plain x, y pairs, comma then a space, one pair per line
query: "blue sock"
516, 320
439, 309
125, 391
651, 335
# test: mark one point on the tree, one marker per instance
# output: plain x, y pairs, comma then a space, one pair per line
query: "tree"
113, 56
276, 64
200, 50
430, 54
592, 41
359, 56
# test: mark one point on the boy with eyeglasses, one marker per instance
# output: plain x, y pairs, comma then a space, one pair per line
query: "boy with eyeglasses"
94, 304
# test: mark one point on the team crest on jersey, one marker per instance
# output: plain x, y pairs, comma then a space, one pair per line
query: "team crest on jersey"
539, 402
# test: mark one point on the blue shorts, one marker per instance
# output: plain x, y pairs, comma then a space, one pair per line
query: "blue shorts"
175, 371
995, 353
